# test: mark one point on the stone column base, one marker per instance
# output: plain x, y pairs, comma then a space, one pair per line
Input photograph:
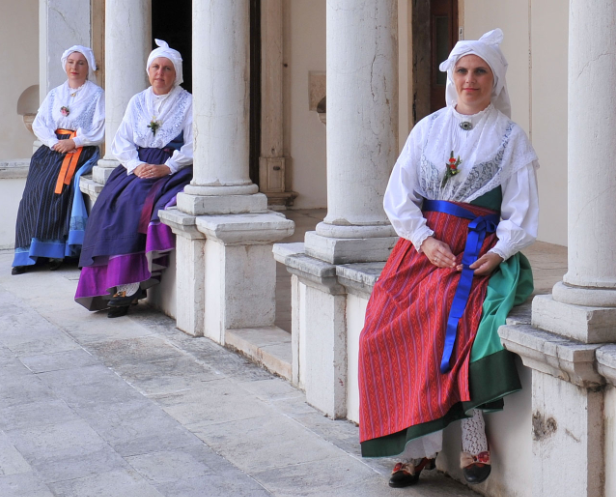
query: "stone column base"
104, 168
349, 250
197, 205
583, 323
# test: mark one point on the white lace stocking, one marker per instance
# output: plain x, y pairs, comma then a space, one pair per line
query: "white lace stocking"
130, 289
474, 439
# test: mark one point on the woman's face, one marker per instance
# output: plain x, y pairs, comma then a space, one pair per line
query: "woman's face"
474, 81
76, 68
162, 75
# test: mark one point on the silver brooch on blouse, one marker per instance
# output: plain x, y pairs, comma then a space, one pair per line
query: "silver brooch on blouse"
466, 125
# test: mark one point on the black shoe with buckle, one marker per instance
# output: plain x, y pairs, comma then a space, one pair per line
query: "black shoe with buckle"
405, 474
477, 468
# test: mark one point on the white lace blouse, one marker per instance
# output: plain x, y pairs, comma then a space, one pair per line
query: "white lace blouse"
495, 152
85, 114
172, 114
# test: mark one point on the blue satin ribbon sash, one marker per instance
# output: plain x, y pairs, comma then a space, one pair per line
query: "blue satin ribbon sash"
478, 227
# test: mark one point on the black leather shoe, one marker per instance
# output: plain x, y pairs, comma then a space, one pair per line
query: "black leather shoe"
118, 311
479, 468
55, 264
18, 270
120, 299
405, 475
477, 473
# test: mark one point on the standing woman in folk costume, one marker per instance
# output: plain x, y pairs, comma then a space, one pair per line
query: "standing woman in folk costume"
70, 123
125, 246
463, 198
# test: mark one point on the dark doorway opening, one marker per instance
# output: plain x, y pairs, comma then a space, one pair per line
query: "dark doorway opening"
172, 22
435, 32
255, 90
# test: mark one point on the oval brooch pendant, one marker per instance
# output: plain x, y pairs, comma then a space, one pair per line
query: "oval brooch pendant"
466, 125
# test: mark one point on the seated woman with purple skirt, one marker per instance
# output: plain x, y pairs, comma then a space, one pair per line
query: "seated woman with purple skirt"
125, 246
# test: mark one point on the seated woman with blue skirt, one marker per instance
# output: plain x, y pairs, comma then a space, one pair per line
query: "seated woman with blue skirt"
125, 246
70, 124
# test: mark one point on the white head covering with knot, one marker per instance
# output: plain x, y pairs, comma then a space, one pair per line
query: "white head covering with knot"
174, 56
487, 47
87, 53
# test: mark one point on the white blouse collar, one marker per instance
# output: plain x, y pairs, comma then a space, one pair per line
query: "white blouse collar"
473, 119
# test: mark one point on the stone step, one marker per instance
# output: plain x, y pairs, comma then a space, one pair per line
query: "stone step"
269, 347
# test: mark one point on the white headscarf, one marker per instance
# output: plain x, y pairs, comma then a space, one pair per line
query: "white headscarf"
487, 47
87, 53
174, 56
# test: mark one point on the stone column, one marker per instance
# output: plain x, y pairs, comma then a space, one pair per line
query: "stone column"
62, 24
362, 131
233, 274
128, 41
221, 110
583, 305
568, 396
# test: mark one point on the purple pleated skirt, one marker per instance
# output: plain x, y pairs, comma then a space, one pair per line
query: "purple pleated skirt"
125, 242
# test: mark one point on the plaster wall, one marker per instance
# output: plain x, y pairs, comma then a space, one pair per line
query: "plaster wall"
19, 35
10, 193
536, 46
304, 133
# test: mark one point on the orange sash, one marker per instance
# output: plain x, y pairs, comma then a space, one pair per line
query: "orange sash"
69, 164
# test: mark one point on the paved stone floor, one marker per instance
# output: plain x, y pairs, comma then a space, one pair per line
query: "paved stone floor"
132, 407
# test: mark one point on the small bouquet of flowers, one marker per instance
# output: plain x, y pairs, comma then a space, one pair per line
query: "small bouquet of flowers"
154, 125
452, 168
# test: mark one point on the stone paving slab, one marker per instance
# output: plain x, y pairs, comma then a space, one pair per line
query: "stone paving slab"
133, 407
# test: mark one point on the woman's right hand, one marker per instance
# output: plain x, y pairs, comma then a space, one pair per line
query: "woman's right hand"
151, 171
439, 253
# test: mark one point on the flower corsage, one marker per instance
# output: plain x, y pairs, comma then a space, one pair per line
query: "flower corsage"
154, 125
65, 111
452, 168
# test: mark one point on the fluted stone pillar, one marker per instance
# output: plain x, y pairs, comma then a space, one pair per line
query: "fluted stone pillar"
230, 271
128, 41
362, 130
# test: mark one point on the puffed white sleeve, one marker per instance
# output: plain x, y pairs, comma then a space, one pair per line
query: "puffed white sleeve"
519, 212
96, 134
402, 202
123, 147
184, 156
43, 126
